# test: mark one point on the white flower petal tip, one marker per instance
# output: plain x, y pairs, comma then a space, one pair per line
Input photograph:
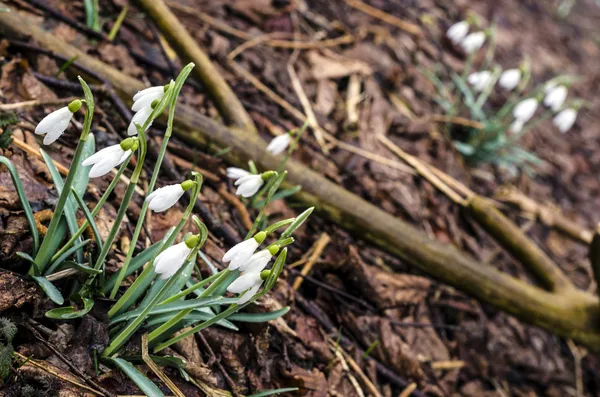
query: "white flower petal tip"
257, 262
525, 109
565, 119
165, 197
510, 79
246, 296
240, 253
473, 42
480, 80
457, 32
139, 118
54, 125
248, 185
145, 97
170, 260
245, 281
279, 144
236, 173
516, 126
555, 97
106, 159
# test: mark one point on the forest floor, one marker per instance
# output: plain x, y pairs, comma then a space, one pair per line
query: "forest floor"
420, 334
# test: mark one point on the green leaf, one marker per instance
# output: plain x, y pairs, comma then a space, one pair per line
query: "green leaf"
71, 312
89, 217
279, 195
64, 256
464, 148
28, 258
300, 219
189, 319
165, 361
91, 14
273, 392
50, 290
80, 267
145, 384
24, 201
259, 317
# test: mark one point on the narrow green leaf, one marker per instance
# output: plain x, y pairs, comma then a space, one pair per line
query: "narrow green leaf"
24, 201
80, 267
278, 196
50, 290
273, 392
64, 256
89, 217
165, 361
300, 219
258, 317
71, 312
145, 384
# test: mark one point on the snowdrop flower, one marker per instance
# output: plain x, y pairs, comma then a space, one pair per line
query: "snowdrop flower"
473, 42
170, 260
144, 98
248, 185
279, 144
139, 118
106, 159
516, 126
480, 80
260, 260
54, 124
510, 79
457, 32
565, 119
249, 282
236, 173
165, 197
555, 97
525, 109
241, 253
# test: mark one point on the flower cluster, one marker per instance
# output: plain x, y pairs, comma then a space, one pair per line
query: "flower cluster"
143, 104
459, 35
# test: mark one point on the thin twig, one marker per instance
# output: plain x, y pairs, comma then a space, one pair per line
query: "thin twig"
37, 102
157, 371
385, 17
317, 250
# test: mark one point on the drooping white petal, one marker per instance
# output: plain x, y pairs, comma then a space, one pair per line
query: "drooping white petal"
279, 144
165, 197
54, 124
516, 126
257, 262
510, 79
170, 260
236, 173
555, 98
149, 90
565, 119
246, 296
525, 109
473, 42
480, 80
458, 31
245, 281
240, 253
146, 100
248, 185
104, 160
139, 118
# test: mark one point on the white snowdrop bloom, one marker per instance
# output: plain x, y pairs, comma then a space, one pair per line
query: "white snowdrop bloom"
170, 260
480, 80
54, 124
565, 119
248, 185
106, 159
241, 253
516, 126
249, 282
139, 118
165, 197
458, 31
279, 144
555, 97
525, 109
473, 42
257, 262
236, 173
144, 98
510, 79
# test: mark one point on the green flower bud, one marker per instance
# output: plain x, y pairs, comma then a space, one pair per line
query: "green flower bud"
273, 249
266, 175
128, 143
192, 241
265, 274
187, 185
74, 106
260, 237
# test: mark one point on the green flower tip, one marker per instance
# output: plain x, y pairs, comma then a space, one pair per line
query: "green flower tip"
192, 241
273, 249
154, 103
265, 274
129, 143
75, 105
266, 175
187, 185
260, 237
166, 87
